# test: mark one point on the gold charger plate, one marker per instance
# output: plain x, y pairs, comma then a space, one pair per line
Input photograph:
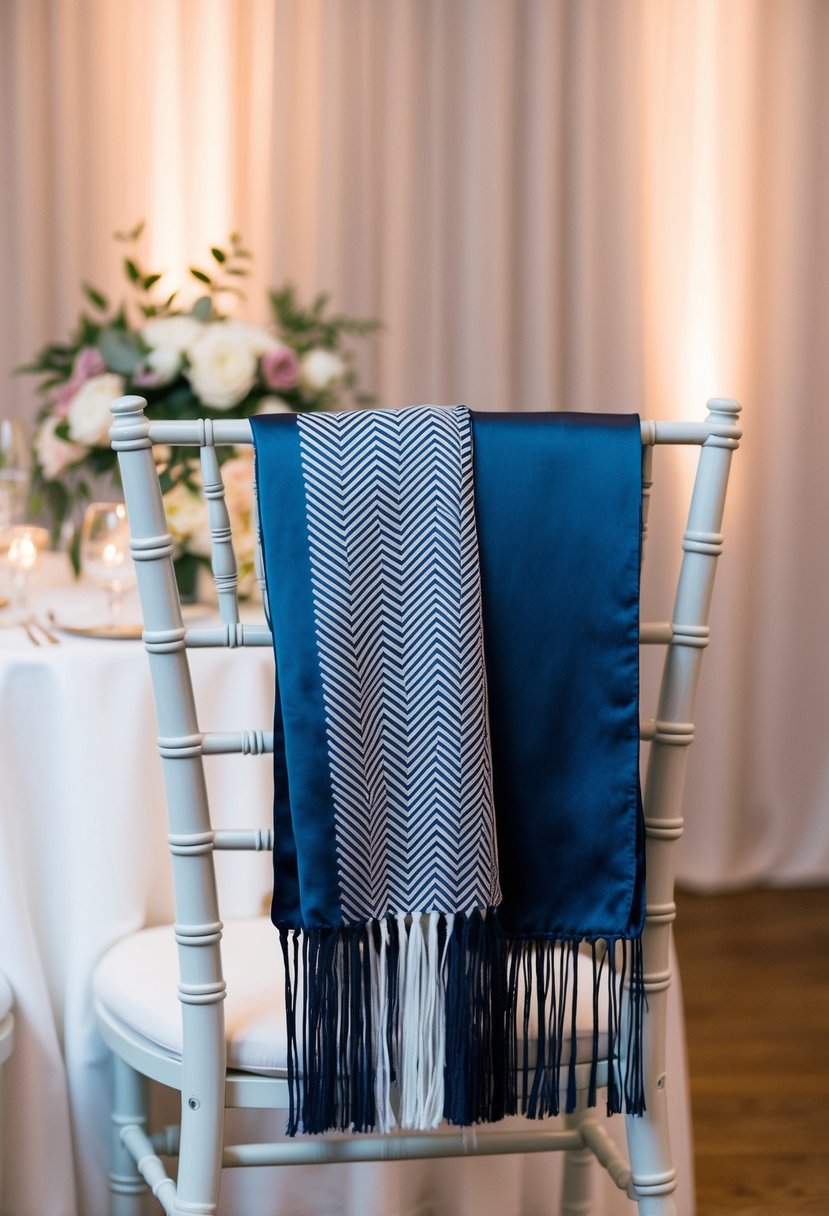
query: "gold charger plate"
115, 632
131, 631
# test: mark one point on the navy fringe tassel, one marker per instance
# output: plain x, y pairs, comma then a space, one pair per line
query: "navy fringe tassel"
509, 1014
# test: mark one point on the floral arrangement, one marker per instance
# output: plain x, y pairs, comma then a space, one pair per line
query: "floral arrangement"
187, 362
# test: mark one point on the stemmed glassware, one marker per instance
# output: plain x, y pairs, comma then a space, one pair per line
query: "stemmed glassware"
15, 465
105, 553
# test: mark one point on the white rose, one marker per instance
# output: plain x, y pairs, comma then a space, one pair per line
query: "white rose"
273, 405
53, 453
177, 333
186, 515
222, 367
259, 340
88, 415
163, 363
320, 369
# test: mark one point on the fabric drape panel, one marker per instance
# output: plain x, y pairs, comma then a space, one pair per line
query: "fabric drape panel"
551, 205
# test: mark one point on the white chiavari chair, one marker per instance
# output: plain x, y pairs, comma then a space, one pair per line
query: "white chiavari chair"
193, 1007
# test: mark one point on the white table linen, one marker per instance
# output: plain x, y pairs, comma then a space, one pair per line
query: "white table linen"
83, 861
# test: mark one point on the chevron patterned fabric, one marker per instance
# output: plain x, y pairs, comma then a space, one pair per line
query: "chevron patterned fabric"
394, 836
397, 607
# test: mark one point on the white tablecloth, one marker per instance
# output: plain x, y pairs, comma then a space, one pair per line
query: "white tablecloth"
83, 861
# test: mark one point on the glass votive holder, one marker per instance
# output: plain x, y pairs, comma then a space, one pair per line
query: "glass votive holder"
23, 544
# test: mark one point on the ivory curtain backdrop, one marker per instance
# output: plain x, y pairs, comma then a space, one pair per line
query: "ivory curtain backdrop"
551, 205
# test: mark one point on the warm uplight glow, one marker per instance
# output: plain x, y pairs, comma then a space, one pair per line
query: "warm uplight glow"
695, 216
191, 115
700, 356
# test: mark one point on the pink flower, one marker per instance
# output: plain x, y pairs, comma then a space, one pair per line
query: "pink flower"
279, 367
88, 363
63, 397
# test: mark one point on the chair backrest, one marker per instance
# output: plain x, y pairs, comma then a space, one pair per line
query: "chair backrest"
183, 744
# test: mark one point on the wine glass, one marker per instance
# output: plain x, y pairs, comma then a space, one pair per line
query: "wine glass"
105, 553
15, 464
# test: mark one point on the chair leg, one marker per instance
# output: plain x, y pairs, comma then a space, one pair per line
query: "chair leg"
649, 1148
200, 1156
654, 1177
575, 1195
127, 1190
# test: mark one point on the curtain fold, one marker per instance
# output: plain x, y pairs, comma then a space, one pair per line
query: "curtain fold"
551, 205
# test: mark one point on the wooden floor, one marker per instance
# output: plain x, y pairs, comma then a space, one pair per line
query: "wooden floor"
755, 972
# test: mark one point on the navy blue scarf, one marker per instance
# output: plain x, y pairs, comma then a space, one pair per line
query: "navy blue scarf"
557, 526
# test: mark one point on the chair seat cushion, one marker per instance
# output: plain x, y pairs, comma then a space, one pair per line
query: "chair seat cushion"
136, 984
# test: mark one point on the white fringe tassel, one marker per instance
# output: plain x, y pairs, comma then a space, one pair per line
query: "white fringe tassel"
421, 1028
384, 1113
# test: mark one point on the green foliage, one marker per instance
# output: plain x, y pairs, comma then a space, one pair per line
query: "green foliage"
96, 297
230, 264
133, 235
187, 576
306, 328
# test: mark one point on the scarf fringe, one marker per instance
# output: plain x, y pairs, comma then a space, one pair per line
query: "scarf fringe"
440, 1006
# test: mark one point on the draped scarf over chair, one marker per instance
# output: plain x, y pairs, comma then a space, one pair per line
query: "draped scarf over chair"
454, 605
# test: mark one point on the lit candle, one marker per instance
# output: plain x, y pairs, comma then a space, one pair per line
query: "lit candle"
113, 556
23, 552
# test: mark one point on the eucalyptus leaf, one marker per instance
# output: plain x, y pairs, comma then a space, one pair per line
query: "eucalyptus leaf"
131, 270
122, 351
219, 254
150, 280
202, 310
200, 275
